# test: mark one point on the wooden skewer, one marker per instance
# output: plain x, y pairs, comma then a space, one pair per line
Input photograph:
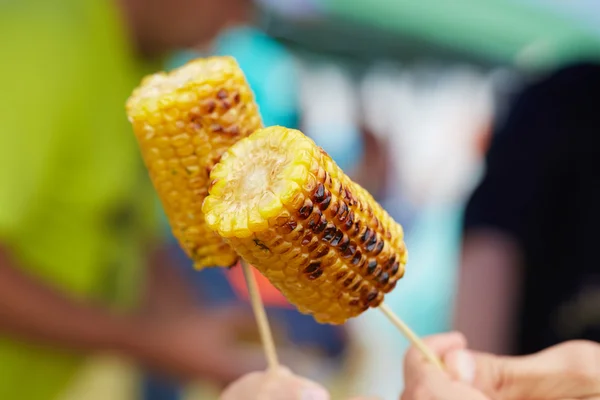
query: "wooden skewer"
411, 336
260, 315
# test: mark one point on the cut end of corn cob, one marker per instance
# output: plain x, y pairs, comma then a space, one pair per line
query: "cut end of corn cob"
184, 120
283, 204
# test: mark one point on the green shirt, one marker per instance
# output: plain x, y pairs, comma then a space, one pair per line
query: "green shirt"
75, 200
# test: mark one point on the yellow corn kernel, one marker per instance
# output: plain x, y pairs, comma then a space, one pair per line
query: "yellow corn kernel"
184, 121
320, 238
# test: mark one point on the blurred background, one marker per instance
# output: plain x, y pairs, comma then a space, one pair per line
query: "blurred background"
405, 96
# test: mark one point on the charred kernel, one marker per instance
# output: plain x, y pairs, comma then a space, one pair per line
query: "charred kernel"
277, 242
210, 106
226, 104
371, 267
329, 232
344, 243
287, 228
327, 180
337, 238
372, 295
355, 231
323, 250
376, 223
312, 267
378, 247
307, 238
261, 245
319, 193
236, 98
333, 209
357, 257
222, 94
315, 274
384, 278
362, 263
350, 197
216, 128
233, 130
391, 261
343, 212
349, 221
395, 268
378, 271
341, 275
366, 236
370, 246
325, 203
350, 250
364, 290
305, 211
356, 285
313, 246
321, 225
348, 281
354, 302
314, 220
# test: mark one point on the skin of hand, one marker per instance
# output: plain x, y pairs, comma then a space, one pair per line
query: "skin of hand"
277, 384
189, 341
274, 384
566, 371
199, 344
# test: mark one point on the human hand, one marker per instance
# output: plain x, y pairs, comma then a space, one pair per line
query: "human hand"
424, 381
569, 370
201, 344
274, 384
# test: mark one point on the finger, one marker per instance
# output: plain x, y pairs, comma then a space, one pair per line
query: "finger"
569, 370
461, 365
245, 384
299, 389
437, 386
235, 362
414, 362
275, 384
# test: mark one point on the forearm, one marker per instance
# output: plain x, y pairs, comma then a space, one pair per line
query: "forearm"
31, 310
489, 286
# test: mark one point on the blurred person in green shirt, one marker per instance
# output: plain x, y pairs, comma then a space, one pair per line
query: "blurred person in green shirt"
76, 207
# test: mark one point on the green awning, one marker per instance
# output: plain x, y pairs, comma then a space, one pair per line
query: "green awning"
498, 30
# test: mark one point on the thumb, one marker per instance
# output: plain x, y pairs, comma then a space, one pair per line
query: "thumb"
563, 371
495, 376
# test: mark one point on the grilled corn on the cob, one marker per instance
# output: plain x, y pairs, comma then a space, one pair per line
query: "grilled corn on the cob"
184, 121
282, 203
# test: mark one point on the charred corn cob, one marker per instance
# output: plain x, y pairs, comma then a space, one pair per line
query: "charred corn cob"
285, 207
184, 121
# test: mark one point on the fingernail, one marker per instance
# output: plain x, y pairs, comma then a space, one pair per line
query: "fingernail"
314, 393
465, 365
